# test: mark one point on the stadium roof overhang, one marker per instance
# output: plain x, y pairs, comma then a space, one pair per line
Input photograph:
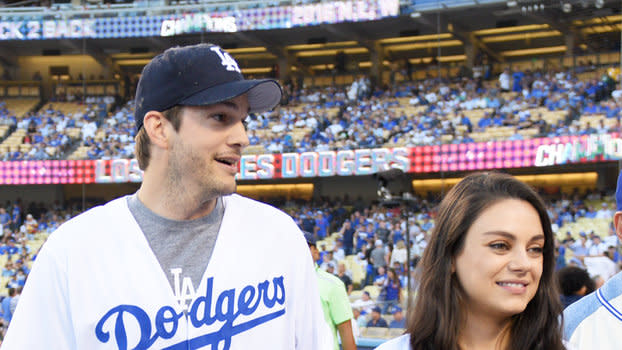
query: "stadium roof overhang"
502, 31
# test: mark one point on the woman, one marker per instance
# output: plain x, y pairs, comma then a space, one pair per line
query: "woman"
487, 279
399, 254
392, 291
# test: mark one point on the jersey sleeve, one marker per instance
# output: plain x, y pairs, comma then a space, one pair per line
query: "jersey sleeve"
42, 318
340, 308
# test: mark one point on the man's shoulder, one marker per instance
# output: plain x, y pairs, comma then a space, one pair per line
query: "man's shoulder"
252, 206
91, 221
579, 313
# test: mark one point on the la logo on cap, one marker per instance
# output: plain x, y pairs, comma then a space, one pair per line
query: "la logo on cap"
226, 59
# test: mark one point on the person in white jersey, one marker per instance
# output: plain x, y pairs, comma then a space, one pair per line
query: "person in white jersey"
184, 263
595, 321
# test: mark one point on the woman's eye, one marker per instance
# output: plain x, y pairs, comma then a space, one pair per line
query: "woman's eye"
536, 250
498, 246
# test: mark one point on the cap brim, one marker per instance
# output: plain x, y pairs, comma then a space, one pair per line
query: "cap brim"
263, 94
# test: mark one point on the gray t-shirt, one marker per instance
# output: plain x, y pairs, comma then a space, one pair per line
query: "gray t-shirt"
183, 248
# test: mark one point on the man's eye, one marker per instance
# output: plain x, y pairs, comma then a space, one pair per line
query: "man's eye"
219, 117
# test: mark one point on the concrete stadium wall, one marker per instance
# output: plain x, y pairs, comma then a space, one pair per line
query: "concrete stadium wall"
28, 193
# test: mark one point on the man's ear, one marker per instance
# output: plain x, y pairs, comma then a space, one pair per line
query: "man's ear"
154, 124
617, 223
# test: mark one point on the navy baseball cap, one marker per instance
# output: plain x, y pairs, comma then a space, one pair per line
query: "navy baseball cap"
198, 75
619, 193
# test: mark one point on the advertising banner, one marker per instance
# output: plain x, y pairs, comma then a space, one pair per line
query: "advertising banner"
539, 152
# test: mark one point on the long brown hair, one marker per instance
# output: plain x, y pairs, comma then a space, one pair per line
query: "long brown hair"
438, 313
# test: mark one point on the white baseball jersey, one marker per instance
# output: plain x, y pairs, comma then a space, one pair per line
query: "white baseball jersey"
97, 284
595, 321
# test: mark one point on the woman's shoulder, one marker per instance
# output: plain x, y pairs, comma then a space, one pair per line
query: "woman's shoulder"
400, 343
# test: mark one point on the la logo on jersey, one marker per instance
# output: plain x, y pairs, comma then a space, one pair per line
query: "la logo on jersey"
226, 59
122, 321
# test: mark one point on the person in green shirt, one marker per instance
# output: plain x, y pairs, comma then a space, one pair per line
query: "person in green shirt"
335, 301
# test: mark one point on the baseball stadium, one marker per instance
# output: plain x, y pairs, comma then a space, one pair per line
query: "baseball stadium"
386, 106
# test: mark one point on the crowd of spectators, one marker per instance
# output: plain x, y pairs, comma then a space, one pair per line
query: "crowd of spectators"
360, 115
372, 238
23, 229
353, 235
47, 132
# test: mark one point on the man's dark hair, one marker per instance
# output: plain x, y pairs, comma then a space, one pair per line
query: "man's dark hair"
572, 278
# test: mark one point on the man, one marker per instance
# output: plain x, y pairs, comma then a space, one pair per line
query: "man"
347, 233
365, 304
574, 283
176, 264
398, 318
342, 273
335, 302
595, 321
7, 314
376, 319
597, 248
378, 255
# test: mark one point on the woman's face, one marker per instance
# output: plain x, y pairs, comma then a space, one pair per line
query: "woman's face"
500, 264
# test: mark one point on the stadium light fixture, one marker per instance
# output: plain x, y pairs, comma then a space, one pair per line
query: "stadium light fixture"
321, 46
426, 45
566, 7
536, 51
405, 39
302, 190
316, 53
258, 70
574, 179
367, 64
240, 50
599, 4
512, 3
133, 62
599, 20
415, 14
522, 36
529, 27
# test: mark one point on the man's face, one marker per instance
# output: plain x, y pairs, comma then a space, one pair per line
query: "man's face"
204, 153
398, 316
375, 315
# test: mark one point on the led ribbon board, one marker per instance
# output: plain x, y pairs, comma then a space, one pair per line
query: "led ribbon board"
277, 17
422, 159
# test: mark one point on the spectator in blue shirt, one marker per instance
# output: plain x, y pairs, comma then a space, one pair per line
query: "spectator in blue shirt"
484, 122
398, 319
4, 218
6, 306
376, 319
